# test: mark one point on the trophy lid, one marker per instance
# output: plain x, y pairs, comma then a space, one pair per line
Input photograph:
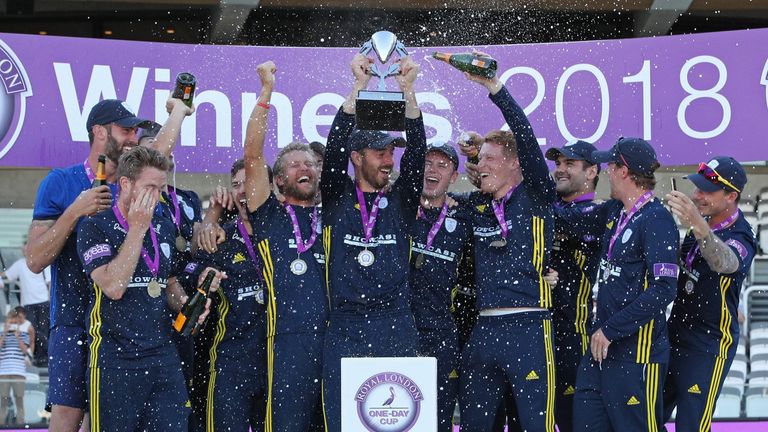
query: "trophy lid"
384, 43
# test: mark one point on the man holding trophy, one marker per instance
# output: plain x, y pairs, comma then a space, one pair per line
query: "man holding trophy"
368, 222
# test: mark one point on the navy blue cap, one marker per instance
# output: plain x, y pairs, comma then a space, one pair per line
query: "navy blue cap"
636, 153
726, 167
377, 140
447, 150
150, 131
114, 111
578, 150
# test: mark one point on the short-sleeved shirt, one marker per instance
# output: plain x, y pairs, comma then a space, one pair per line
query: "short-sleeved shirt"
295, 303
432, 283
69, 283
133, 332
705, 314
34, 286
190, 210
240, 333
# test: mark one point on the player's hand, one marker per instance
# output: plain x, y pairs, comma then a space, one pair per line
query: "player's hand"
175, 104
211, 235
223, 198
493, 84
201, 319
599, 346
92, 201
266, 73
409, 70
688, 215
469, 144
473, 174
451, 202
551, 278
361, 70
141, 210
217, 278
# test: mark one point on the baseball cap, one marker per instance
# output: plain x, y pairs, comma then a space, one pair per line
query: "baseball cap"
150, 131
636, 153
721, 172
577, 150
447, 150
114, 111
376, 140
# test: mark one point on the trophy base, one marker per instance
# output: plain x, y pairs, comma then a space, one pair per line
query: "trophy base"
380, 110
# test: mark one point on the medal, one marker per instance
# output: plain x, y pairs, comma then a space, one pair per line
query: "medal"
298, 267
153, 288
260, 296
365, 258
689, 286
500, 243
419, 263
432, 231
181, 243
498, 210
606, 274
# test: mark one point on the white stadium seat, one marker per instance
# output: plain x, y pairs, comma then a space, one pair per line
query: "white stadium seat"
757, 349
34, 401
758, 363
728, 403
757, 379
757, 402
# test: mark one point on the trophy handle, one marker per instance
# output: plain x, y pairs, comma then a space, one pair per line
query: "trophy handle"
366, 48
400, 48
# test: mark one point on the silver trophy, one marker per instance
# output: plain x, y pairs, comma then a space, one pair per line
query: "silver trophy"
381, 109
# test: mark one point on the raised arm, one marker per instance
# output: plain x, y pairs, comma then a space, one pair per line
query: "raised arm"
334, 174
256, 174
53, 223
410, 182
166, 138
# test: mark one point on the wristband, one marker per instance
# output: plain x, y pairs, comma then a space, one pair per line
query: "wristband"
264, 105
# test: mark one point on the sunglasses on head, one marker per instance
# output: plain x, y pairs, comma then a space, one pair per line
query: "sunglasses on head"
713, 177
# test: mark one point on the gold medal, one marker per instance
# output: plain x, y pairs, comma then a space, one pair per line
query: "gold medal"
419, 263
181, 243
153, 288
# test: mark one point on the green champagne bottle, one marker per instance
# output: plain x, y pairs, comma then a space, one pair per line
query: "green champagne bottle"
186, 320
101, 172
185, 88
474, 64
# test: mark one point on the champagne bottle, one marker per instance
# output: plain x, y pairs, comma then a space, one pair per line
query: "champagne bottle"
101, 173
185, 88
186, 320
475, 64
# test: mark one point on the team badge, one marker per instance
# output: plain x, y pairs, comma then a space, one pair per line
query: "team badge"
450, 224
627, 234
383, 202
166, 248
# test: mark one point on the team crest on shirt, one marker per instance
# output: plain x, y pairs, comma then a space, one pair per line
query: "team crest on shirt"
627, 234
383, 202
187, 208
450, 224
166, 248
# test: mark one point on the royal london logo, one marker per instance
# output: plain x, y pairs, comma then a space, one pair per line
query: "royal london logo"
13, 94
388, 402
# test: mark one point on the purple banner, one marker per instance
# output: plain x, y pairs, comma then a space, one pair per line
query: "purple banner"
692, 96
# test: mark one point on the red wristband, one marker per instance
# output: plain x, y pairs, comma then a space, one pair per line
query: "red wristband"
263, 105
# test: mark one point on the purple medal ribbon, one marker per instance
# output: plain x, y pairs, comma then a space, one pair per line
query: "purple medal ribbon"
369, 221
154, 263
176, 209
625, 218
590, 196
695, 249
436, 226
498, 210
88, 170
301, 245
249, 246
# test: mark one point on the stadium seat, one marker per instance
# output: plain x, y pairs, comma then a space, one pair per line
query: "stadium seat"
757, 402
747, 206
751, 217
758, 379
759, 330
742, 347
758, 348
735, 380
34, 401
728, 403
758, 362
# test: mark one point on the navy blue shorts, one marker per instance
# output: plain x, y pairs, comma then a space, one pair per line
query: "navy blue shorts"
236, 400
443, 344
388, 334
569, 350
67, 366
127, 400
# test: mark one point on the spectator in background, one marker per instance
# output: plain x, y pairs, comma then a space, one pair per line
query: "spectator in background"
14, 343
35, 298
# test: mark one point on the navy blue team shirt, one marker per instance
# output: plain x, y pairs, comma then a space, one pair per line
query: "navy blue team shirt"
512, 275
70, 287
637, 282
239, 340
431, 285
704, 316
384, 285
295, 303
135, 331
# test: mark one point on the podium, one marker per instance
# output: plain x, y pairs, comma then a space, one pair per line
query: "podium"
389, 394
